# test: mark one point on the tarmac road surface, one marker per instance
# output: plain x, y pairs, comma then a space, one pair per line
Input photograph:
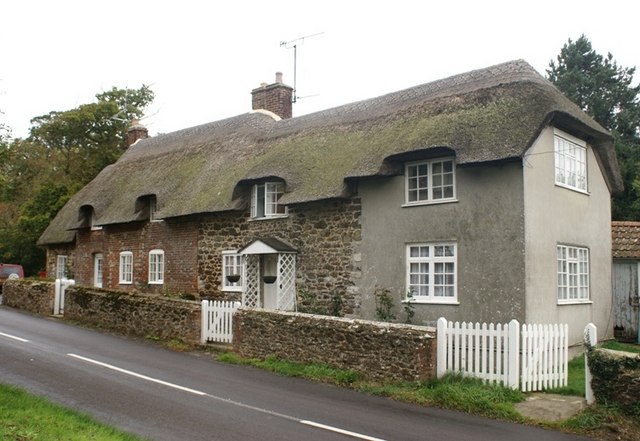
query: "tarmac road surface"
164, 395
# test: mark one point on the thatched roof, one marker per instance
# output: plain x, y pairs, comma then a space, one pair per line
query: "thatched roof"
485, 115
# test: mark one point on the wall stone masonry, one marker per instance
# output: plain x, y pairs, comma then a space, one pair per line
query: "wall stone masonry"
326, 234
141, 315
383, 351
616, 377
28, 295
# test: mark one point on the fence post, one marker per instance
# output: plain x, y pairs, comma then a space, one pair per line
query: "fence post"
514, 354
590, 340
204, 321
441, 347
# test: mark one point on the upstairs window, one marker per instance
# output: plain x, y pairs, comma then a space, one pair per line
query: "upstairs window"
156, 267
153, 209
264, 200
232, 271
571, 161
126, 268
430, 181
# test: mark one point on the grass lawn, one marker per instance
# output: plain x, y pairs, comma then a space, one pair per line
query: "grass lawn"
24, 417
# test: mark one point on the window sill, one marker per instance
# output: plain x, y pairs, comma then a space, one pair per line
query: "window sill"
125, 283
422, 203
156, 283
568, 187
574, 302
280, 216
231, 289
430, 302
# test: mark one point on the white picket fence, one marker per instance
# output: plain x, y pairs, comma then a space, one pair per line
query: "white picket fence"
534, 357
217, 321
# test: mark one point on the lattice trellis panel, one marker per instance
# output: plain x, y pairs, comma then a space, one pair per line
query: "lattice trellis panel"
286, 282
251, 293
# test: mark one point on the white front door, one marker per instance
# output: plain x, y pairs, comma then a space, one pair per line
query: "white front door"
97, 270
269, 286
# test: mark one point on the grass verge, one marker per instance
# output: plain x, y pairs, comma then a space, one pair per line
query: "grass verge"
24, 417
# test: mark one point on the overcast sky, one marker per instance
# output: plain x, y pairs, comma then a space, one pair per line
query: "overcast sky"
202, 58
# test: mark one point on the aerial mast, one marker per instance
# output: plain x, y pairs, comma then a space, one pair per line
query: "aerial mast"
293, 44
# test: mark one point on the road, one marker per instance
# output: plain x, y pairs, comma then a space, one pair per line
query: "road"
165, 395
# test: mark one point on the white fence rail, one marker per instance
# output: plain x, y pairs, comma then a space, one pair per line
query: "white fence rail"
492, 353
217, 321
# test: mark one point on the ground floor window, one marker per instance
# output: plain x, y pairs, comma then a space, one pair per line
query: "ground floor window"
232, 271
126, 267
573, 273
61, 266
431, 272
156, 266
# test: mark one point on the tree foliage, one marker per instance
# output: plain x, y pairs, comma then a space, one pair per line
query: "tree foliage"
605, 91
64, 151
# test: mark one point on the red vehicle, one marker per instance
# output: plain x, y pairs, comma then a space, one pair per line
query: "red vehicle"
10, 271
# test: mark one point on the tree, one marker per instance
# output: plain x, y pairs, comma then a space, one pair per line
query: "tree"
89, 137
64, 151
604, 90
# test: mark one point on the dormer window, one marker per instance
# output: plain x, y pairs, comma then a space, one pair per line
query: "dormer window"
430, 181
571, 161
153, 209
94, 225
264, 200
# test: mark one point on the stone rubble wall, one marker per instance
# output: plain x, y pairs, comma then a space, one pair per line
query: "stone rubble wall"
616, 377
28, 295
142, 315
382, 351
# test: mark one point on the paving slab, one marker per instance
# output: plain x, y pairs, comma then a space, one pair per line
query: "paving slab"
550, 407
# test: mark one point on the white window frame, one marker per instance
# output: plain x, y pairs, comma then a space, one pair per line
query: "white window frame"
433, 181
232, 261
153, 209
98, 263
94, 227
572, 274
61, 266
156, 267
570, 155
125, 273
268, 207
427, 262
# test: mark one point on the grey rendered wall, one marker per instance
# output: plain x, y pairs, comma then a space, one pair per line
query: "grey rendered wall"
558, 215
487, 224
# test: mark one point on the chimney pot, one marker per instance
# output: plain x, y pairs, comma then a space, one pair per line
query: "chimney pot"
279, 77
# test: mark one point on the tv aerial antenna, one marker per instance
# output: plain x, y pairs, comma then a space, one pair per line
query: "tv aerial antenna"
293, 44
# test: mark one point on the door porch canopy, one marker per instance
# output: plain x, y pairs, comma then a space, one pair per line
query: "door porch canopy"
285, 277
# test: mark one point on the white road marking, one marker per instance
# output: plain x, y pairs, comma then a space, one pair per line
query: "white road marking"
23, 340
225, 400
134, 374
341, 431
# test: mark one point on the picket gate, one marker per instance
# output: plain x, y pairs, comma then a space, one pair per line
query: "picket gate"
533, 357
217, 321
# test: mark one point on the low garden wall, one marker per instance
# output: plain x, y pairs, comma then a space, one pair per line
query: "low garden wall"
616, 377
29, 295
142, 315
378, 350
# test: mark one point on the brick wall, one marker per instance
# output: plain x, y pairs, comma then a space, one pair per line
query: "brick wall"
326, 235
378, 350
36, 297
177, 238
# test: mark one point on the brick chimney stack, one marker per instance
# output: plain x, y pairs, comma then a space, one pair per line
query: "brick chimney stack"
135, 132
274, 97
